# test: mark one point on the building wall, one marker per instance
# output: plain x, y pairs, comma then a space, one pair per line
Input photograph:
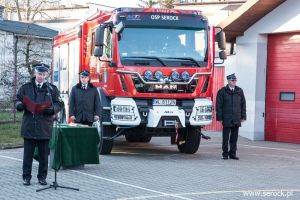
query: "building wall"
6, 40
251, 60
6, 55
214, 12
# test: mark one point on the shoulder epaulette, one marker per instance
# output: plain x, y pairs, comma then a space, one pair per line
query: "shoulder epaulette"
27, 83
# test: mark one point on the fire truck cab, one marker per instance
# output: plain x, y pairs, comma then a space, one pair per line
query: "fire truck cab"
153, 69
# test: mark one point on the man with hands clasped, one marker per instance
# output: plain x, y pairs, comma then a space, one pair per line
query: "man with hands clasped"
84, 105
231, 111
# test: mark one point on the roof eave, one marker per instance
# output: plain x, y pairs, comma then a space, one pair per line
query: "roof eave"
244, 17
34, 36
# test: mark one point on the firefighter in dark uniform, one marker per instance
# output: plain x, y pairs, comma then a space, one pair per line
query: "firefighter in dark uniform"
231, 111
36, 127
84, 105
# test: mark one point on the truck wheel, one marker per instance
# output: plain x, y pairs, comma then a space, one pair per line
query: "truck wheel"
189, 140
106, 145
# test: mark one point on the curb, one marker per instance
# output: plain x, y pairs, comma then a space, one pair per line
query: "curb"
12, 147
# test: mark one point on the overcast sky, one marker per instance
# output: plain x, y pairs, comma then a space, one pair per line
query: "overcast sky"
112, 3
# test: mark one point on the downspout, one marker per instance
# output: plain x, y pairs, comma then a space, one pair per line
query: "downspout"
15, 38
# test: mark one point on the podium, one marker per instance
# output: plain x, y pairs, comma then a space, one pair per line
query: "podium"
74, 146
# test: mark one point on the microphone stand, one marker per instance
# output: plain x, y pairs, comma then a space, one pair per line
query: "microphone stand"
57, 132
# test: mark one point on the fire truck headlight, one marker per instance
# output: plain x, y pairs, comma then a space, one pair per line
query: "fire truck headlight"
148, 75
202, 112
203, 109
123, 108
185, 76
124, 112
158, 75
123, 117
175, 76
203, 117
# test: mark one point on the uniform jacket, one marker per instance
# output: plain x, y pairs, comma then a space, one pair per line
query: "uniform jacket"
231, 106
84, 103
38, 126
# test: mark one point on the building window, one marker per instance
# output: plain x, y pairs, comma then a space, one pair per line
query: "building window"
287, 96
93, 43
108, 43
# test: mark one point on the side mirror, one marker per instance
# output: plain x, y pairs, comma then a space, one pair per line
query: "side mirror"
221, 40
222, 55
119, 29
100, 35
98, 51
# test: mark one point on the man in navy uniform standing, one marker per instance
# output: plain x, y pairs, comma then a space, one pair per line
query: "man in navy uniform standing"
231, 111
37, 127
84, 105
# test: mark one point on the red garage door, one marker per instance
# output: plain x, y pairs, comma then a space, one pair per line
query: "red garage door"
283, 88
217, 84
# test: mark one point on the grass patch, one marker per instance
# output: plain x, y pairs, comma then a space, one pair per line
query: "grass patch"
10, 132
9, 116
10, 135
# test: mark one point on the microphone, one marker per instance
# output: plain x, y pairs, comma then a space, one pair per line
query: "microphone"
48, 85
49, 93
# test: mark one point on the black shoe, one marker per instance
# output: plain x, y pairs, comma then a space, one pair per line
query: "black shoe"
42, 182
26, 182
205, 137
225, 157
234, 157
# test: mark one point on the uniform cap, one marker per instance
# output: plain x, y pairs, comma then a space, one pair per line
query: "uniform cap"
41, 67
84, 73
231, 77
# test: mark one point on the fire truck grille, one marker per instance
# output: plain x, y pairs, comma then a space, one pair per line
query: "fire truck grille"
164, 88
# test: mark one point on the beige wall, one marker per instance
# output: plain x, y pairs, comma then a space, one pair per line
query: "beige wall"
213, 12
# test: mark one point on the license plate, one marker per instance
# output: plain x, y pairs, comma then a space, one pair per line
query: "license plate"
164, 102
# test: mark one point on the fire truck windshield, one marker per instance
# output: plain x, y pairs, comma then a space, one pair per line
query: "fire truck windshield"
164, 44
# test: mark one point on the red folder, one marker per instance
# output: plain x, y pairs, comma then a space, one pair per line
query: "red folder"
34, 107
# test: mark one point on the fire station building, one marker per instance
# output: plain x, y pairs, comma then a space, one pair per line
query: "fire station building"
265, 55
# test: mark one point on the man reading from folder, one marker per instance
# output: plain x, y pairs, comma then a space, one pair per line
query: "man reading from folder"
40, 102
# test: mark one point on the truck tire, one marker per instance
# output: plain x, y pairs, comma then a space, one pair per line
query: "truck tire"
192, 140
134, 138
107, 144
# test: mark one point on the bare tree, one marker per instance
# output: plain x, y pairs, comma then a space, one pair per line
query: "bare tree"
21, 51
152, 3
27, 10
148, 3
25, 51
167, 3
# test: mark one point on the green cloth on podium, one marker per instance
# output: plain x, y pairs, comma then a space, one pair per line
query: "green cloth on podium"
74, 146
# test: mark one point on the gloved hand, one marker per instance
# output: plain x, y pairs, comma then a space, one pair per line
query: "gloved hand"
49, 111
20, 107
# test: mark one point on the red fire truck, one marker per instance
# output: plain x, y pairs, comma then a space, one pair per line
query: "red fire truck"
153, 69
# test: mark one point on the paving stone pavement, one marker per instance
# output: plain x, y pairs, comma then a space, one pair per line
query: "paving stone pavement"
156, 170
